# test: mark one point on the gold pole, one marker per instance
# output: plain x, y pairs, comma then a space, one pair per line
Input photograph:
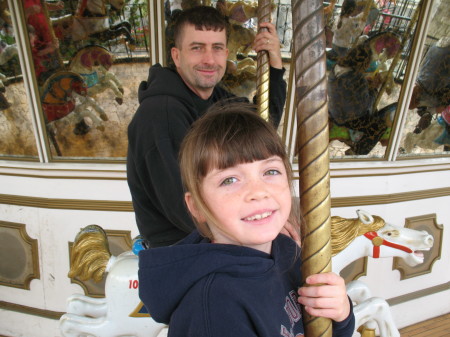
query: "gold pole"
312, 147
262, 65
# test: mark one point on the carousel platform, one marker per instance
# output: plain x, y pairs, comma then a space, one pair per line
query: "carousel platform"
436, 327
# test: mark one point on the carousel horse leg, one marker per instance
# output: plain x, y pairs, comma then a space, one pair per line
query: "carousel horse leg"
90, 102
86, 306
72, 325
115, 31
111, 81
359, 292
378, 310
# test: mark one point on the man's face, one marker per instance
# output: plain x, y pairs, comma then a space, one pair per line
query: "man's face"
201, 59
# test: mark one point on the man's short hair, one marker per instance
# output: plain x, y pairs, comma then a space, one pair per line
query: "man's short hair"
203, 18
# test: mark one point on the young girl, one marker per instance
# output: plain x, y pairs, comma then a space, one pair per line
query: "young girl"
237, 275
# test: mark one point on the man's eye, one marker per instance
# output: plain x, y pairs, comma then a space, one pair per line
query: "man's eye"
228, 181
272, 172
218, 48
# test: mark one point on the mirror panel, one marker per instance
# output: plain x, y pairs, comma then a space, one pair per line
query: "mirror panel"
368, 47
427, 125
89, 57
87, 72
16, 129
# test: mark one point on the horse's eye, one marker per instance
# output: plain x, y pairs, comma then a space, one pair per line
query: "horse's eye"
389, 233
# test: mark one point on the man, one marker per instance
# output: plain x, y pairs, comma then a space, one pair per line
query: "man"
170, 101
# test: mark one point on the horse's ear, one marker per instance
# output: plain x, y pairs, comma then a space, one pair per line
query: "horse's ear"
365, 217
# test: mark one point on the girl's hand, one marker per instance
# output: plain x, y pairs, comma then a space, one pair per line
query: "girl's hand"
328, 300
267, 39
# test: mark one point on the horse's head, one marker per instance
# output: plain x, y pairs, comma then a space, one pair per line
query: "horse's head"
79, 86
397, 241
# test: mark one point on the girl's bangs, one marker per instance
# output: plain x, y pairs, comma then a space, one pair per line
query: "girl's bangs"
240, 148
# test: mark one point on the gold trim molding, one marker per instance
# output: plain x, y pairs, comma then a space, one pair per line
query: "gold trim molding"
67, 204
23, 309
126, 206
390, 198
418, 294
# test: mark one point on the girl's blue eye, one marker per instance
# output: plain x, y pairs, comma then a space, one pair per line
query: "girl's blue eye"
272, 172
228, 181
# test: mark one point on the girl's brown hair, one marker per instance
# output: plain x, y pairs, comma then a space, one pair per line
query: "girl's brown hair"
227, 135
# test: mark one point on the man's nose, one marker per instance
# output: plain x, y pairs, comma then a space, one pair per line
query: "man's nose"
208, 56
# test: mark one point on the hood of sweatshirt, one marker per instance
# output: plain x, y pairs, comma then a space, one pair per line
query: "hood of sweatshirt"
166, 274
163, 81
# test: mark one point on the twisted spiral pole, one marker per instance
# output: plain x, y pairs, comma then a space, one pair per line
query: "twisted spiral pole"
312, 147
262, 65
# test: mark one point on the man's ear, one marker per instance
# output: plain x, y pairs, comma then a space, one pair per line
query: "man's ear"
175, 53
191, 205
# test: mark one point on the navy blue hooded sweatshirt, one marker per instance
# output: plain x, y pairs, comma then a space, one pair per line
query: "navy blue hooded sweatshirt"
215, 290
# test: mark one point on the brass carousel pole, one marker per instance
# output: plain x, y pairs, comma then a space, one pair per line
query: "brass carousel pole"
312, 147
262, 65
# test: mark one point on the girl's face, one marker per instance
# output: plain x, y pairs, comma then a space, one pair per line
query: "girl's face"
251, 203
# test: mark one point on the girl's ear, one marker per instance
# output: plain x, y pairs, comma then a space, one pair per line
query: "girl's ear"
196, 213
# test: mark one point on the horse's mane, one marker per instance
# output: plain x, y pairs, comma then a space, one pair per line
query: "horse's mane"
344, 231
90, 254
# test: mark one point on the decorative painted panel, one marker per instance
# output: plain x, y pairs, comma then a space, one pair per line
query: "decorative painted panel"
19, 260
424, 223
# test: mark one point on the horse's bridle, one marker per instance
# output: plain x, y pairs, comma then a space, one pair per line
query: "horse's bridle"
378, 241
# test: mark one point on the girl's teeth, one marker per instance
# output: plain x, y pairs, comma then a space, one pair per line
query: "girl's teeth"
259, 216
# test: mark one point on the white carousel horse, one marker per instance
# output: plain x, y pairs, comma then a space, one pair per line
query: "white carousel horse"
121, 312
65, 92
93, 64
91, 20
369, 235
